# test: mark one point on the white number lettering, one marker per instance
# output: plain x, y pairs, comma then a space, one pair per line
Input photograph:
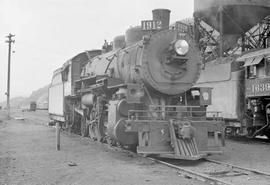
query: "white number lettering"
159, 24
257, 88
267, 87
261, 87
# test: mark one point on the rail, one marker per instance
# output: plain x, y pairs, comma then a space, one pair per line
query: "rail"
221, 174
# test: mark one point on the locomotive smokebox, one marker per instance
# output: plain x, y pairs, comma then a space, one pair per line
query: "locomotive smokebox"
162, 15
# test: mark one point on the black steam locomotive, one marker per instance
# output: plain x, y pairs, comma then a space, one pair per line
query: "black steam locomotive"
246, 105
137, 92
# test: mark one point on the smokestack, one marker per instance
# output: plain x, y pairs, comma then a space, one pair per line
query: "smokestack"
162, 15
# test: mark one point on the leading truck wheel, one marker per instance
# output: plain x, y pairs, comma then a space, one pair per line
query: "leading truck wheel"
84, 127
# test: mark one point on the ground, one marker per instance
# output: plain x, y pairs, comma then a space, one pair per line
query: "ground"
28, 156
249, 154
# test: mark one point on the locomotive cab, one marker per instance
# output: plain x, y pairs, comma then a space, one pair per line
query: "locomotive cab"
257, 92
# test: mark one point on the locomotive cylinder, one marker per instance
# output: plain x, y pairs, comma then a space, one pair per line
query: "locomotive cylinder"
116, 127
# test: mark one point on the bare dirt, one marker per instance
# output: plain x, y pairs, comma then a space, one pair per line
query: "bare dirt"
247, 153
28, 156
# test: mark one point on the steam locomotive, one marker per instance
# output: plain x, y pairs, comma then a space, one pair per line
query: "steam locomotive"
246, 107
137, 92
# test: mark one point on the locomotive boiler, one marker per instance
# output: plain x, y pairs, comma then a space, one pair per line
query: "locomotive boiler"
137, 92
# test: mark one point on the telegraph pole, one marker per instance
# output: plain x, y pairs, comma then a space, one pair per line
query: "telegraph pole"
9, 41
221, 31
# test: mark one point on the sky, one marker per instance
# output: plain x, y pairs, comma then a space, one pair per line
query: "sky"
49, 32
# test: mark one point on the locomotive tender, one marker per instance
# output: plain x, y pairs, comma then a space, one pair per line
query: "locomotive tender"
138, 92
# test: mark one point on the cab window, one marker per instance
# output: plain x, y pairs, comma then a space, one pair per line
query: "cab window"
251, 71
267, 66
261, 69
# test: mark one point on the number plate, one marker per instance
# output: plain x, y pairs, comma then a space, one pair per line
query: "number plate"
258, 87
181, 27
151, 25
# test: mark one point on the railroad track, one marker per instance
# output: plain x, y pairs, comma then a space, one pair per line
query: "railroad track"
212, 172
209, 171
245, 140
216, 172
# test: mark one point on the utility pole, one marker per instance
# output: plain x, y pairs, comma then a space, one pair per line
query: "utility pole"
9, 41
221, 31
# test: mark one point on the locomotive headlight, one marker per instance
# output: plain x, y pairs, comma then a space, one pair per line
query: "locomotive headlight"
181, 47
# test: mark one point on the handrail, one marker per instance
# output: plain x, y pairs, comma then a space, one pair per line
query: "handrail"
176, 106
148, 114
